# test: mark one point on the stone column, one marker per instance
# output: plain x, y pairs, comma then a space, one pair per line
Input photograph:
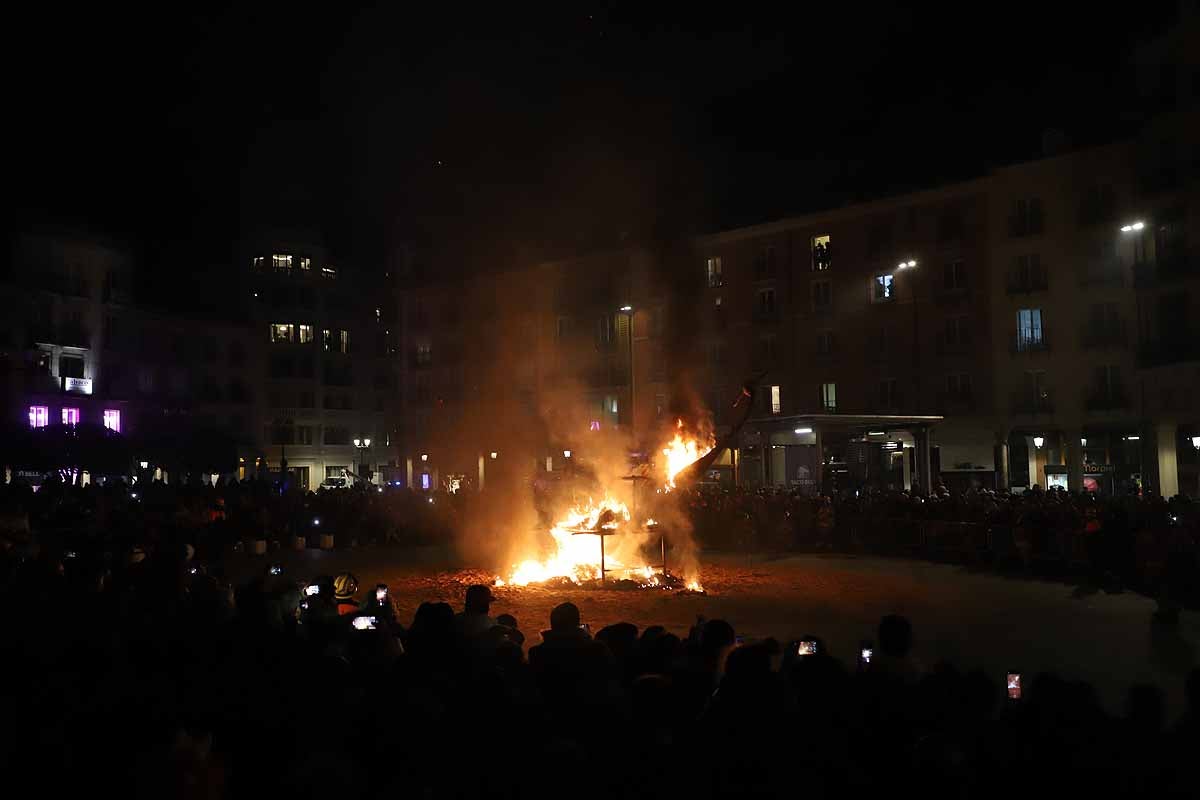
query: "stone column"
481, 476
820, 446
923, 468
1032, 454
1002, 474
1168, 466
1073, 458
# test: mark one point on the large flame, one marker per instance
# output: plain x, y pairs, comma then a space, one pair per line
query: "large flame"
683, 451
575, 557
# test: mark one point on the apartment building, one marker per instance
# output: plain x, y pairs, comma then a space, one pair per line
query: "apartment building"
328, 373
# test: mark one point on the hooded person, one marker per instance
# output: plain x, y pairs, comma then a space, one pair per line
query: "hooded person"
473, 620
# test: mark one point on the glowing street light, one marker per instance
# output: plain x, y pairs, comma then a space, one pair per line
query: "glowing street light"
493, 455
1196, 442
424, 456
1133, 226
912, 262
1038, 441
566, 453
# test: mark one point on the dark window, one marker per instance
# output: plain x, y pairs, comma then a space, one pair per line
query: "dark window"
822, 295
70, 367
337, 435
825, 342
955, 275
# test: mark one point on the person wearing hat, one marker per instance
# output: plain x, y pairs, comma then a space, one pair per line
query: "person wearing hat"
345, 586
473, 619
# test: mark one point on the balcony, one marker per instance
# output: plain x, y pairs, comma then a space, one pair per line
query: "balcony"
952, 346
1029, 224
956, 402
74, 336
1105, 398
1029, 344
1033, 402
1176, 266
1101, 276
1112, 334
1022, 282
1180, 348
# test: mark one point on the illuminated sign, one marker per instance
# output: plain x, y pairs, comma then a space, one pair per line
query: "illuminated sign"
77, 385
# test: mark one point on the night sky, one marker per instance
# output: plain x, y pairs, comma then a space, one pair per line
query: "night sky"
493, 135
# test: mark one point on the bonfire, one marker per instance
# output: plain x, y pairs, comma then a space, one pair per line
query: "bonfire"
602, 542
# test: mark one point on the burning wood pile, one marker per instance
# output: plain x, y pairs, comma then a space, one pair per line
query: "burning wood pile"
603, 543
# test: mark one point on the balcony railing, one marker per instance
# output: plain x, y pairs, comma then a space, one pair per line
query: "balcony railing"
1180, 348
1112, 334
1164, 270
1105, 398
957, 401
1101, 276
1026, 282
1033, 402
1022, 343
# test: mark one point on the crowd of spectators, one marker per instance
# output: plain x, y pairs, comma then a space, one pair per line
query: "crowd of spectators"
1124, 541
155, 678
135, 667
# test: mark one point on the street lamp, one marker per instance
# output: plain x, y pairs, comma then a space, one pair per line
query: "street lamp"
905, 265
362, 445
566, 453
1133, 226
1196, 442
1038, 441
628, 311
493, 454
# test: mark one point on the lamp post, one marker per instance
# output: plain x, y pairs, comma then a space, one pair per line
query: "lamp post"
1135, 229
362, 445
902, 266
628, 311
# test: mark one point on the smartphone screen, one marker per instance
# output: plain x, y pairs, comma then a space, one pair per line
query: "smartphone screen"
1014, 685
739, 640
381, 594
311, 589
276, 570
364, 623
865, 655
807, 647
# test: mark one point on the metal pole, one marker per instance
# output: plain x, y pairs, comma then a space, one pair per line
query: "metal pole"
632, 403
602, 569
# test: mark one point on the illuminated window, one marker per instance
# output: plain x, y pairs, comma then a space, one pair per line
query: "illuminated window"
882, 288
343, 341
712, 267
425, 480
1029, 329
829, 397
39, 416
424, 353
776, 401
306, 334
70, 416
257, 262
329, 272
112, 419
822, 256
282, 332
281, 261
378, 314
305, 263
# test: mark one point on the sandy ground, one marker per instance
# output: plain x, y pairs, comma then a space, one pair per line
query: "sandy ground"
973, 619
